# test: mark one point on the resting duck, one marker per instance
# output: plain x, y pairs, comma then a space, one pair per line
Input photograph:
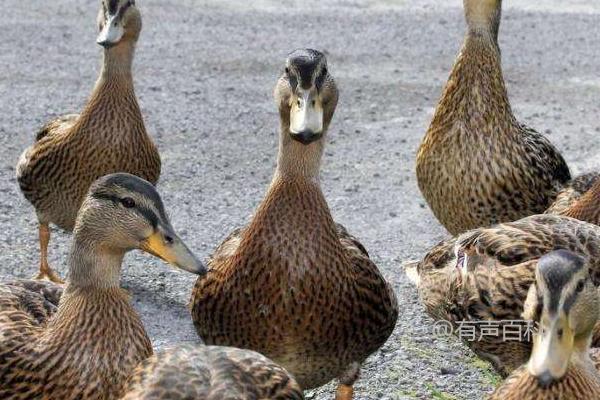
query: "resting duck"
210, 372
477, 165
86, 345
293, 285
484, 274
108, 136
565, 301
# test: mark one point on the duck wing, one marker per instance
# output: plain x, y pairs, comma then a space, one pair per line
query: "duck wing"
227, 248
55, 125
25, 308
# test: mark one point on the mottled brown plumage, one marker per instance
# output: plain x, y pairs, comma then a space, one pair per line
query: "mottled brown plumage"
86, 345
292, 284
484, 275
108, 136
477, 165
566, 304
583, 203
211, 373
577, 384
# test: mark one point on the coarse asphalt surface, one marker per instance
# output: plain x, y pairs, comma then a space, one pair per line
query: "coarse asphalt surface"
204, 74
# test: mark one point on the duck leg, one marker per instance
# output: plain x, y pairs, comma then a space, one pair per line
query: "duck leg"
45, 271
345, 389
344, 392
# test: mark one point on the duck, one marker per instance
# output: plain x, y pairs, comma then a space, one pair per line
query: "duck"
477, 165
484, 274
83, 340
210, 372
564, 299
72, 151
293, 285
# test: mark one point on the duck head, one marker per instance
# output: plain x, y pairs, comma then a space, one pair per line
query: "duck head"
306, 95
565, 302
119, 21
123, 212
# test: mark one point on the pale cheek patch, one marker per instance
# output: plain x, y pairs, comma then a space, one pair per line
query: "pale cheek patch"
111, 33
306, 116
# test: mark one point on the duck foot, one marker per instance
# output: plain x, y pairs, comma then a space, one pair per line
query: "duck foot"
345, 389
48, 274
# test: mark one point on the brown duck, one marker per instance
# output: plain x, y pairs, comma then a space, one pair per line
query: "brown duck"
293, 285
484, 275
85, 346
108, 136
211, 372
477, 165
565, 301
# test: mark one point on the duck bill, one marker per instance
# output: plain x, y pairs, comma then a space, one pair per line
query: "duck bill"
111, 34
166, 245
306, 117
552, 350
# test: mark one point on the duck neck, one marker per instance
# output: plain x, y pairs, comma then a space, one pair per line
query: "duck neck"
483, 18
116, 64
295, 181
480, 59
293, 222
475, 92
113, 99
93, 303
91, 266
580, 358
293, 218
297, 161
483, 39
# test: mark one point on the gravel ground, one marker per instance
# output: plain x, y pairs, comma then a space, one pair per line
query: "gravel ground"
204, 74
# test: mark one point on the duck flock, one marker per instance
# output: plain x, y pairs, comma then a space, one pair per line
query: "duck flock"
293, 300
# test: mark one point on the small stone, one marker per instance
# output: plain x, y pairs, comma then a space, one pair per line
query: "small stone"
448, 371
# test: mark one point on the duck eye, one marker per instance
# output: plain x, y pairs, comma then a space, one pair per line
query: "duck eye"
580, 286
324, 71
128, 202
287, 70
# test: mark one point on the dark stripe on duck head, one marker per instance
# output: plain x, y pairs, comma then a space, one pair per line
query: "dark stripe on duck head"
570, 300
112, 6
292, 80
132, 184
557, 270
148, 214
304, 62
123, 9
321, 78
144, 212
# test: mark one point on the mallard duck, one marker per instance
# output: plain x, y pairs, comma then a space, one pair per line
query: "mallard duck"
86, 345
477, 165
210, 372
72, 151
292, 284
565, 302
484, 274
